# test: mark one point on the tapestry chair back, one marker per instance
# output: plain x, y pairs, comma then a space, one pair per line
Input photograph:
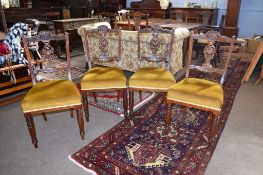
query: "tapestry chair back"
103, 45
47, 66
137, 17
218, 47
155, 46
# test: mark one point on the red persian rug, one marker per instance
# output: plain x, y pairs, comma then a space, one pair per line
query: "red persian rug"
139, 145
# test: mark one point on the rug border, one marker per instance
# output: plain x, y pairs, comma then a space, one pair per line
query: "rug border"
81, 166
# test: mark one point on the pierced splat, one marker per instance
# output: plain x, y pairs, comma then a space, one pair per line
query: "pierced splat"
209, 53
103, 43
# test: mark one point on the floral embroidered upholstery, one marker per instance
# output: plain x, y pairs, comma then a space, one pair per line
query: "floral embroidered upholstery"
129, 56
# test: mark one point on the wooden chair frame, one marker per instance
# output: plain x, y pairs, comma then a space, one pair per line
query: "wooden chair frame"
45, 37
154, 57
137, 18
209, 53
103, 44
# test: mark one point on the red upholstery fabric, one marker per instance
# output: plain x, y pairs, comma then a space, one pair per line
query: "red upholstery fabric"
4, 50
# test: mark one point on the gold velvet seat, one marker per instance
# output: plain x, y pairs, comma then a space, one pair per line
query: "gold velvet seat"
200, 93
152, 78
197, 92
155, 49
103, 78
49, 95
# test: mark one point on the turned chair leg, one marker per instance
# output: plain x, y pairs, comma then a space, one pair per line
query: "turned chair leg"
95, 97
131, 103
125, 102
85, 105
31, 129
80, 123
168, 116
140, 95
71, 113
44, 116
213, 128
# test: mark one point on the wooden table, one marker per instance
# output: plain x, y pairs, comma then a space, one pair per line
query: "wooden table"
63, 25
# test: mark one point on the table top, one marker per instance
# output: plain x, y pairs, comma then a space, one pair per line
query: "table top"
75, 20
165, 23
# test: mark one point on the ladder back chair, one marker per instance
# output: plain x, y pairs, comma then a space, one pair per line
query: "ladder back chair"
100, 78
155, 45
199, 93
136, 18
49, 95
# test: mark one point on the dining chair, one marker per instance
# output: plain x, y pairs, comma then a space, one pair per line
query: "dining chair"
177, 15
205, 17
100, 78
155, 45
137, 17
49, 95
108, 17
206, 95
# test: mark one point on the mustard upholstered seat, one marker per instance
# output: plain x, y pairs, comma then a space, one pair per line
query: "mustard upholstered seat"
197, 92
103, 77
152, 78
48, 95
51, 94
155, 45
200, 93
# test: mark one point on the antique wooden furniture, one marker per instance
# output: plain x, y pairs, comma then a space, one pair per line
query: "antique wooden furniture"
199, 93
193, 14
177, 15
151, 7
136, 17
253, 63
149, 78
49, 95
206, 15
108, 17
63, 25
103, 78
232, 14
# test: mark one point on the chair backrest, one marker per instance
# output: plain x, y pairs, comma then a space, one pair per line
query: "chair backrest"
137, 18
122, 15
155, 44
104, 50
217, 46
106, 16
222, 23
46, 66
178, 15
205, 17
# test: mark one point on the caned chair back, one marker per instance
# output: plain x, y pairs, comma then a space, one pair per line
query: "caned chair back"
43, 59
137, 17
217, 46
106, 50
155, 44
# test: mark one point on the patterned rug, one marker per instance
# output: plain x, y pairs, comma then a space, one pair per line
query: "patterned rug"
108, 101
139, 145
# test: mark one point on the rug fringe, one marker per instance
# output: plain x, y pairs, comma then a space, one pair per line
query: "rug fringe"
81, 166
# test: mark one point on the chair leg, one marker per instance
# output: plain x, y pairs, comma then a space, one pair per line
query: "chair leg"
80, 123
125, 102
31, 129
140, 95
131, 103
118, 96
168, 116
71, 113
213, 129
44, 116
85, 105
95, 97
260, 76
